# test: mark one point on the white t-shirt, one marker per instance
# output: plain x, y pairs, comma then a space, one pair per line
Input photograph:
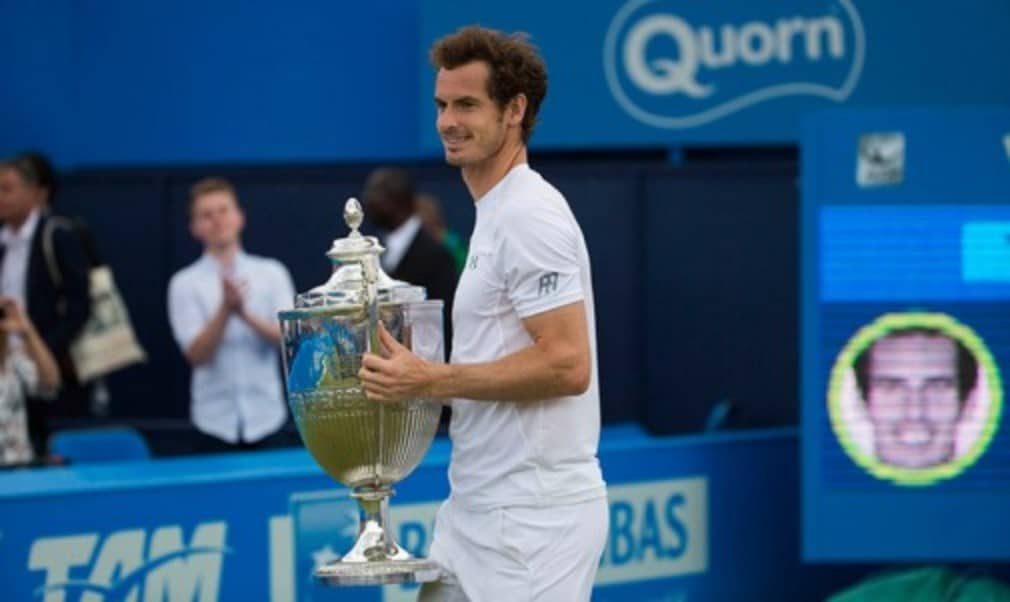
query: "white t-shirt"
527, 256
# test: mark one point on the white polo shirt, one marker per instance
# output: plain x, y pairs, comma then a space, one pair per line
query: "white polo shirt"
527, 256
238, 394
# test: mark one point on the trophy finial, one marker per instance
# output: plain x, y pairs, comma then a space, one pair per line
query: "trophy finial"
353, 215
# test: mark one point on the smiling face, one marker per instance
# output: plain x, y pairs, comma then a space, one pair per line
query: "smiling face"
913, 399
472, 126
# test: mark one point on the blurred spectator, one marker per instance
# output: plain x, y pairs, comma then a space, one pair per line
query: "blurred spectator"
430, 210
411, 255
26, 368
223, 312
28, 187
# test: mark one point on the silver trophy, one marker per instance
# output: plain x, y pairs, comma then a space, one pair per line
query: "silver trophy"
365, 445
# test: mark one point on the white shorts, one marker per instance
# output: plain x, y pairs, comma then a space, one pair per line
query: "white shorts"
518, 554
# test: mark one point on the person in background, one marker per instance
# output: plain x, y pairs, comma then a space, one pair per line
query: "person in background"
59, 311
223, 313
411, 255
27, 367
430, 211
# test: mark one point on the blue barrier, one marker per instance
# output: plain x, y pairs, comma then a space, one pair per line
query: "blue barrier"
708, 517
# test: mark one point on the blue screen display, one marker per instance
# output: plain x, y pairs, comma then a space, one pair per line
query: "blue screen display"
906, 335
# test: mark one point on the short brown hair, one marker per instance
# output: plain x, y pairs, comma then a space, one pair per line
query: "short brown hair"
206, 186
515, 66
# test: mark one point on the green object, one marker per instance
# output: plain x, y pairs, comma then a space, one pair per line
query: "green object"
457, 248
929, 584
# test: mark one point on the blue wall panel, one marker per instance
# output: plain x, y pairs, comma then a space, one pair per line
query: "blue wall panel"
183, 82
130, 83
720, 298
608, 207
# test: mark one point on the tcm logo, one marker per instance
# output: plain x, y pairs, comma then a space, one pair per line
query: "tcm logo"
131, 566
670, 71
657, 529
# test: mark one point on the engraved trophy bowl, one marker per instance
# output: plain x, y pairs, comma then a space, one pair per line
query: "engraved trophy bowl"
365, 445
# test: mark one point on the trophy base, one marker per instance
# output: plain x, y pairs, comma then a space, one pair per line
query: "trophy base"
379, 572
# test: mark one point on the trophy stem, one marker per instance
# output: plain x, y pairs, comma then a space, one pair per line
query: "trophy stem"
375, 541
376, 558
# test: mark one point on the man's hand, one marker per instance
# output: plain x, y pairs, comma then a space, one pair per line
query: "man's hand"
232, 294
202, 349
16, 321
13, 320
398, 376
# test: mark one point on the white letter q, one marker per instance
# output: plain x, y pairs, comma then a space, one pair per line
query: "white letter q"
672, 76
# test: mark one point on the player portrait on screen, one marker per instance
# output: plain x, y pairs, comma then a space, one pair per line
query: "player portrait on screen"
914, 397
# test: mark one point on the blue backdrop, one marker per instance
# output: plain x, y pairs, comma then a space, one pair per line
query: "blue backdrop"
190, 82
257, 81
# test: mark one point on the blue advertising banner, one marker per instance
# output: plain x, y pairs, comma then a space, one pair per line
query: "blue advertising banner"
661, 72
687, 522
906, 336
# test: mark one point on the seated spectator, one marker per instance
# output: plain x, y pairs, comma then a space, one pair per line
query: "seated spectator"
26, 368
223, 312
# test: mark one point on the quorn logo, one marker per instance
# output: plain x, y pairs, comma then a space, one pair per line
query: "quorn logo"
669, 71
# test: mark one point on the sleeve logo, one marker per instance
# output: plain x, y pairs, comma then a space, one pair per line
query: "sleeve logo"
547, 284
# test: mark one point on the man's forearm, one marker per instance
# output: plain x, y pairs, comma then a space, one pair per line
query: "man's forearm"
557, 363
205, 344
531, 374
268, 329
45, 363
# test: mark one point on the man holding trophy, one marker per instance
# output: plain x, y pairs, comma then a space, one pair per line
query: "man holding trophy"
527, 517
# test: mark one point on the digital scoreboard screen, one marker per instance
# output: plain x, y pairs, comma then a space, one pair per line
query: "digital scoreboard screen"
906, 335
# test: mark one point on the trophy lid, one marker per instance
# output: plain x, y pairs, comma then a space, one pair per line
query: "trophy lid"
347, 285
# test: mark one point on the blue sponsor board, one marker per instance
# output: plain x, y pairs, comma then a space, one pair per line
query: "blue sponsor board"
687, 522
658, 72
659, 530
905, 219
